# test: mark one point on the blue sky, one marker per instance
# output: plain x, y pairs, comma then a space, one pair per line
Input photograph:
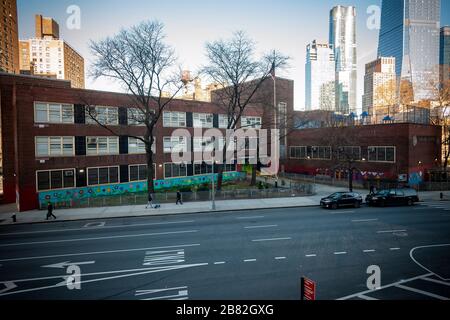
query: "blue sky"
286, 25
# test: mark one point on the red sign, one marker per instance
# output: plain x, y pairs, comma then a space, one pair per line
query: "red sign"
308, 289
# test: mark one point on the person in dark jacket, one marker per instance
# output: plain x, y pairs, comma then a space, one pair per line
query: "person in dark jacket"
150, 202
50, 211
179, 198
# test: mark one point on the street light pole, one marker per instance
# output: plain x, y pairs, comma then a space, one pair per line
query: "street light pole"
213, 186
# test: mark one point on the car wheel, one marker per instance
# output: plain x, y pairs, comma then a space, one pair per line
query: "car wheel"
410, 202
357, 204
334, 206
382, 204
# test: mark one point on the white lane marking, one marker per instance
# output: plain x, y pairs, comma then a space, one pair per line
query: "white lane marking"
425, 247
9, 285
340, 253
98, 238
311, 255
156, 258
219, 262
253, 217
94, 224
145, 292
250, 260
425, 293
436, 281
137, 272
384, 287
258, 227
280, 258
394, 249
421, 209
365, 220
391, 231
182, 293
99, 252
368, 251
364, 297
94, 228
274, 239
62, 265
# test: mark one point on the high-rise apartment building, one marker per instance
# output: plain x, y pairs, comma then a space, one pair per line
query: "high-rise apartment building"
320, 77
48, 56
380, 89
444, 54
410, 33
343, 40
9, 38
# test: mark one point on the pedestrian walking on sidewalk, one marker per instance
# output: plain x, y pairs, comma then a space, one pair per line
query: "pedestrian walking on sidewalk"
50, 211
150, 202
179, 198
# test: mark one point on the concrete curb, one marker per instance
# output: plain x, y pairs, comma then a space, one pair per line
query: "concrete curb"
152, 215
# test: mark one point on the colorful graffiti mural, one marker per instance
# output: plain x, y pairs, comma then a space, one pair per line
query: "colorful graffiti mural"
57, 196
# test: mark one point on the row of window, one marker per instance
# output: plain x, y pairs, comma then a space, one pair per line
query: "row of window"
64, 179
64, 113
375, 153
65, 146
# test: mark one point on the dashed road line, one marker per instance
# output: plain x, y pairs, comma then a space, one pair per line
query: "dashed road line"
273, 239
394, 249
260, 227
250, 260
280, 258
391, 231
365, 220
219, 263
311, 255
369, 251
253, 217
340, 253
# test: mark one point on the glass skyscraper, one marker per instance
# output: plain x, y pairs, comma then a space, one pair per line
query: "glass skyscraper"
410, 33
343, 40
320, 77
444, 54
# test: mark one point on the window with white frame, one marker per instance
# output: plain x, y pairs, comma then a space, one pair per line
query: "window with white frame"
102, 175
137, 146
55, 179
174, 119
202, 168
55, 146
139, 172
349, 153
53, 113
298, 152
102, 146
320, 153
174, 170
251, 122
136, 117
223, 121
104, 115
202, 120
176, 144
382, 154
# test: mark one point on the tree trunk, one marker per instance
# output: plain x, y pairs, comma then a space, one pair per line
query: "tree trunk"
253, 180
219, 177
150, 170
350, 180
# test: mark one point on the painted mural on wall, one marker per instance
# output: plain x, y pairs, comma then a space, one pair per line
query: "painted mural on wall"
57, 196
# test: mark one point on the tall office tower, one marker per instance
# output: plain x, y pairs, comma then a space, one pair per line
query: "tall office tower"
343, 40
380, 89
48, 56
320, 77
9, 37
410, 33
444, 55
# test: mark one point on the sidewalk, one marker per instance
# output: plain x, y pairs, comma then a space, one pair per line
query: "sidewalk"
38, 216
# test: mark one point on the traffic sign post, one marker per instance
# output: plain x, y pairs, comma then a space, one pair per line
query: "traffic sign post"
307, 289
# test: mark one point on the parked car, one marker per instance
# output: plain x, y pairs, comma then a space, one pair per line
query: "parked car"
393, 197
342, 199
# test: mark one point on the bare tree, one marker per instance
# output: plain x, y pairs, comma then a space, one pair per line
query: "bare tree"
141, 61
232, 65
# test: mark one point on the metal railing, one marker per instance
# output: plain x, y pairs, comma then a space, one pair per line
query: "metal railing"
297, 190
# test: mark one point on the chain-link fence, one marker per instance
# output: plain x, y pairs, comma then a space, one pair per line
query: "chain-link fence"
297, 190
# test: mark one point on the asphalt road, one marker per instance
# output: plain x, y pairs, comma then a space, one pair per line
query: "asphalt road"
248, 255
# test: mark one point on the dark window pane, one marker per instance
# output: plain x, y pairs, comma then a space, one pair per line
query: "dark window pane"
142, 173
134, 173
92, 177
167, 170
381, 154
175, 170
43, 181
103, 174
390, 154
56, 179
113, 175
69, 178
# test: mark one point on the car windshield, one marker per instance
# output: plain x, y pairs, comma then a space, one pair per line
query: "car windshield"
383, 192
335, 195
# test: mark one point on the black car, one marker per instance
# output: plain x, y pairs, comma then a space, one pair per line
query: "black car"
393, 197
342, 199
